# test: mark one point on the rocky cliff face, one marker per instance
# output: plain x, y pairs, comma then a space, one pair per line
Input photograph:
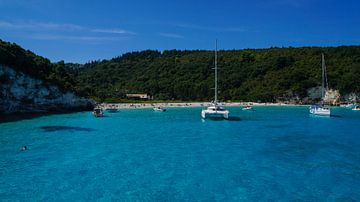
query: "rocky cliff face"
22, 93
332, 96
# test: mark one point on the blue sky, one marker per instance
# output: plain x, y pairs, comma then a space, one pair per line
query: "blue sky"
83, 30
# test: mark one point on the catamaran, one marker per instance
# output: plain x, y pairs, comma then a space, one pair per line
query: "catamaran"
215, 110
321, 109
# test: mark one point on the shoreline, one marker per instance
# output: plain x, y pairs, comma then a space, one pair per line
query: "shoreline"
14, 117
187, 105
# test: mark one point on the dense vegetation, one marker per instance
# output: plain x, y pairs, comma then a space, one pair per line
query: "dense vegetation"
248, 75
36, 66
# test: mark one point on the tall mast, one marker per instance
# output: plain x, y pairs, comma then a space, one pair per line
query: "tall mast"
322, 75
325, 85
216, 87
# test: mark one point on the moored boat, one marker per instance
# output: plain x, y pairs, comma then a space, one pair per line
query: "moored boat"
248, 107
356, 108
348, 105
98, 112
215, 110
321, 110
159, 109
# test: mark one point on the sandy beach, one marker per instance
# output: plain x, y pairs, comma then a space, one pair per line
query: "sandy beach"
185, 104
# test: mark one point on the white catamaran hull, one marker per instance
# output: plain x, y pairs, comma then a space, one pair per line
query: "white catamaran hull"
215, 110
214, 114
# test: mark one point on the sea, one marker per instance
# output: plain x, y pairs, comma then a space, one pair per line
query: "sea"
267, 154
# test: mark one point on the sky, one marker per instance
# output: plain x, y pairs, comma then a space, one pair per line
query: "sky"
83, 30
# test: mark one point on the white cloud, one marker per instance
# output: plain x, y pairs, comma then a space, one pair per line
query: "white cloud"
49, 26
75, 38
38, 26
64, 32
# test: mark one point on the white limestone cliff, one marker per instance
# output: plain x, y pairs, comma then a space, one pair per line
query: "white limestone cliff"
22, 93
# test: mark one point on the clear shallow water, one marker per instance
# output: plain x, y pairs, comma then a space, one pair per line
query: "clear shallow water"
272, 153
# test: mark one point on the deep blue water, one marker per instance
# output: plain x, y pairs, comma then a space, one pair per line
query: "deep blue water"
272, 153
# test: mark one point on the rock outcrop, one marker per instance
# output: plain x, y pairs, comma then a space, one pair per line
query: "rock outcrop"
22, 93
332, 97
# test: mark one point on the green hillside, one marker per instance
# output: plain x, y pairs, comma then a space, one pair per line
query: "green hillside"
14, 56
248, 75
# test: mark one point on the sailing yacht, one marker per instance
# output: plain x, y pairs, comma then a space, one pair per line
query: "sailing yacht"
215, 110
321, 109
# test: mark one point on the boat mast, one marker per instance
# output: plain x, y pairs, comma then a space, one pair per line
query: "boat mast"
322, 75
216, 87
325, 85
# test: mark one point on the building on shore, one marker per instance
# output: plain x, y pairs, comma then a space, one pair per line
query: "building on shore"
139, 96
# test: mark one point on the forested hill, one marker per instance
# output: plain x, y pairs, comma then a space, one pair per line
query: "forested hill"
248, 75
25, 61
30, 83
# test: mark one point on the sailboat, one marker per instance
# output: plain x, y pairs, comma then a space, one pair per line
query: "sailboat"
215, 110
321, 109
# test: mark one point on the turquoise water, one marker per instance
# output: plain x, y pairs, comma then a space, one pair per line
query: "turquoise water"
272, 153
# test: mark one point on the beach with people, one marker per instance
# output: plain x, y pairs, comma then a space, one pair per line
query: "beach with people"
185, 105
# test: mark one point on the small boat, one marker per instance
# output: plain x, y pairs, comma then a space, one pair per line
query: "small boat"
356, 108
159, 109
215, 110
349, 105
248, 107
321, 110
98, 112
